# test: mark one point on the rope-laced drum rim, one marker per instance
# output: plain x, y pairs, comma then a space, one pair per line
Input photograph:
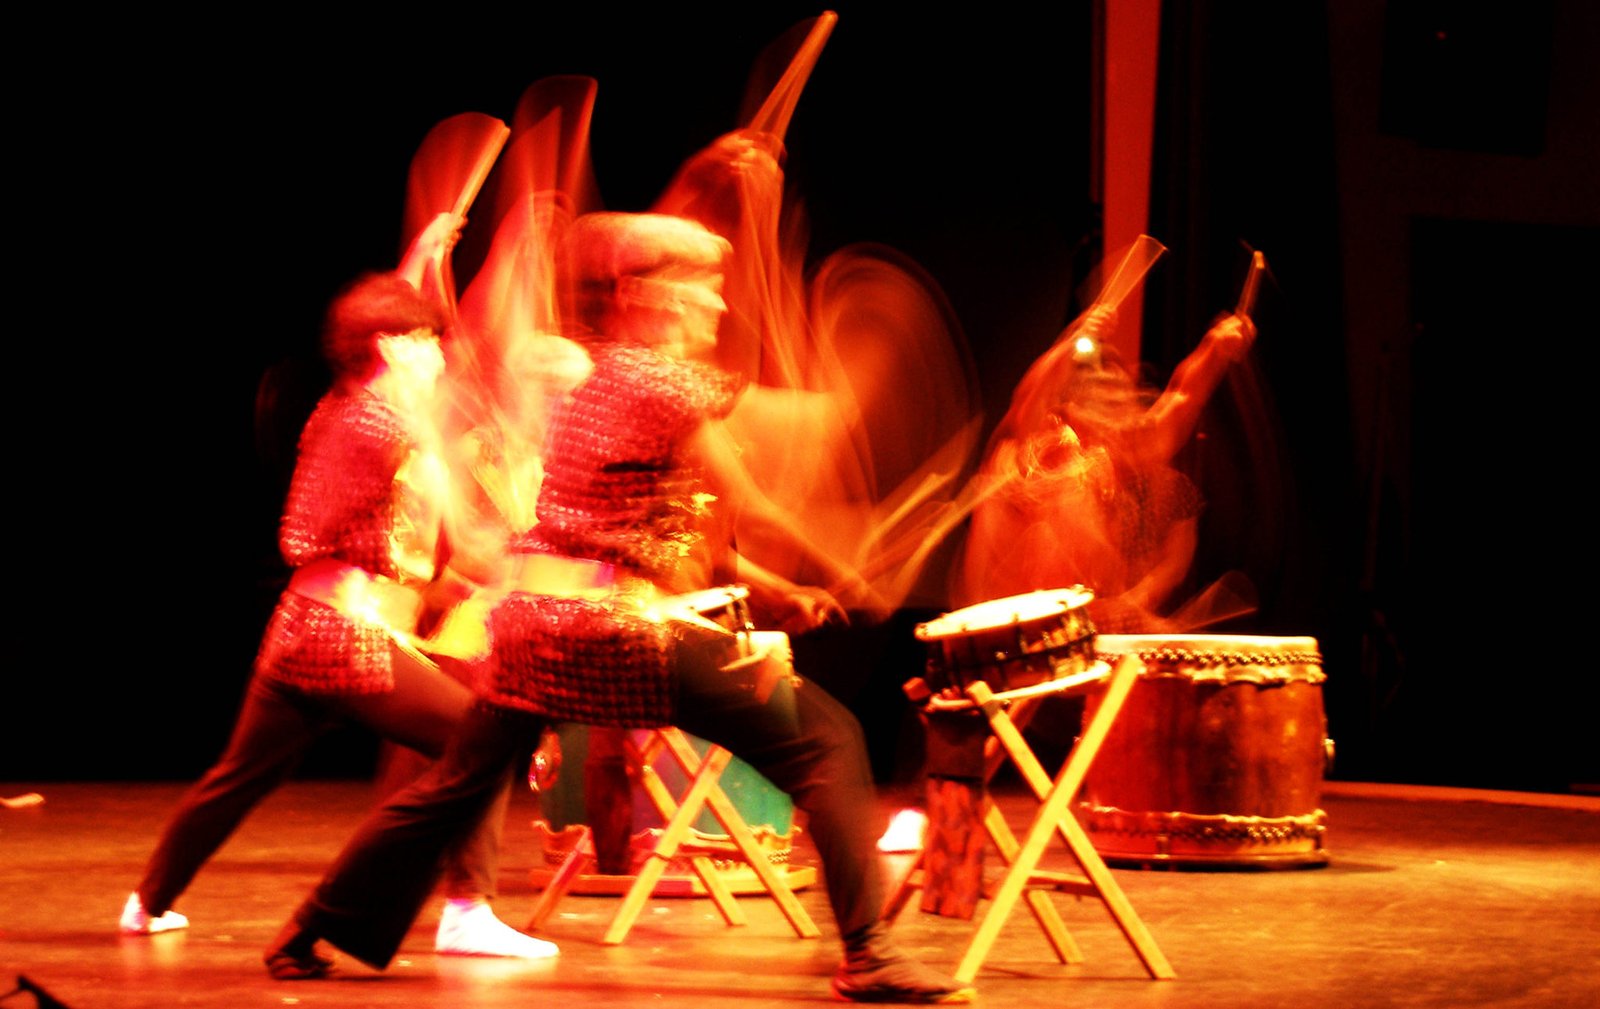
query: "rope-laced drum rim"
1042, 634
1224, 658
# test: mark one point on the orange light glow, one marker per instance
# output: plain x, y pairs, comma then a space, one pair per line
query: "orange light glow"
861, 416
1078, 486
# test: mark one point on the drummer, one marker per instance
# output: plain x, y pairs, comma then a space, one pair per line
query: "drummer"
1081, 488
636, 458
360, 529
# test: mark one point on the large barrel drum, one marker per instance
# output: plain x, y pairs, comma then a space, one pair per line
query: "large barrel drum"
1216, 758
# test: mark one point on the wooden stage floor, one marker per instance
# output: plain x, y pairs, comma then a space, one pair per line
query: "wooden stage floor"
1432, 898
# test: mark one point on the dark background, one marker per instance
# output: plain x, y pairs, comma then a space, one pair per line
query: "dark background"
187, 209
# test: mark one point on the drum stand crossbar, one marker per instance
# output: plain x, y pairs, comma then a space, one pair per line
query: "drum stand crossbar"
1005, 713
679, 815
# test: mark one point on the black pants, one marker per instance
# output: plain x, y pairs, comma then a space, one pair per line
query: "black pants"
276, 727
803, 740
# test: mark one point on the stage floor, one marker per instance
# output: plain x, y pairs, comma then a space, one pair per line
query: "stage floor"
1432, 898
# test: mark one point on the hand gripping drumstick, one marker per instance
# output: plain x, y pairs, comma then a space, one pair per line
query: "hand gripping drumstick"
452, 163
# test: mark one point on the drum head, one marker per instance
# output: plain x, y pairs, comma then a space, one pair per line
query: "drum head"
1020, 609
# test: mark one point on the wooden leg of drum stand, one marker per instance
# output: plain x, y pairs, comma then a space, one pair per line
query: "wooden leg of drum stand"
745, 840
909, 884
644, 766
1044, 912
1005, 842
703, 791
1055, 930
1055, 816
578, 859
678, 819
583, 856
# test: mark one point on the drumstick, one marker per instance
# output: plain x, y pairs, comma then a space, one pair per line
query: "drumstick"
487, 154
774, 115
1252, 284
482, 137
493, 144
450, 167
1135, 264
909, 550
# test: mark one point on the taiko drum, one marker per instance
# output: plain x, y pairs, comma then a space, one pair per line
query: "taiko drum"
1217, 756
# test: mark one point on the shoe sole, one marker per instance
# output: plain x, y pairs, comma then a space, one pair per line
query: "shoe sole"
147, 930
498, 956
960, 996
288, 968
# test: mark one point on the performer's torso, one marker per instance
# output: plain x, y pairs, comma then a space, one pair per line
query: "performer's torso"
618, 485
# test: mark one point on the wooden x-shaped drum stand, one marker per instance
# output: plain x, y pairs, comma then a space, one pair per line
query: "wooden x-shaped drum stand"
1023, 879
679, 814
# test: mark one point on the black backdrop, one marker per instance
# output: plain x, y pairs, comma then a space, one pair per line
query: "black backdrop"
187, 196
192, 206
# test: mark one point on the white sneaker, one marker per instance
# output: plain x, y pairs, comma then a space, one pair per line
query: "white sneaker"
469, 928
136, 922
905, 832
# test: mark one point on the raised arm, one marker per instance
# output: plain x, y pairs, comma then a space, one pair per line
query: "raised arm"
1173, 416
426, 264
717, 452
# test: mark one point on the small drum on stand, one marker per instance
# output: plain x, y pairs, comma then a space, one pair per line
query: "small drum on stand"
1217, 757
1019, 643
632, 818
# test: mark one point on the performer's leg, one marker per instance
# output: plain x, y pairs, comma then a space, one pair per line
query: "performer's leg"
275, 728
421, 712
812, 747
467, 923
372, 893
427, 704
608, 800
471, 866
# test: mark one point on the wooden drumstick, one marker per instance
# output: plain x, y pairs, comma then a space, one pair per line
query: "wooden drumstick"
1252, 284
1135, 264
774, 115
493, 143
